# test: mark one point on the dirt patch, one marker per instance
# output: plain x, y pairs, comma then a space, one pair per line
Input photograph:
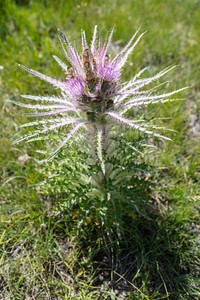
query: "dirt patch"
193, 119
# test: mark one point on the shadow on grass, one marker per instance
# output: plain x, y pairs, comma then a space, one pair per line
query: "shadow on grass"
142, 256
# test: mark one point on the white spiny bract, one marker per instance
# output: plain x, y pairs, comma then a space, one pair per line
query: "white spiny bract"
93, 97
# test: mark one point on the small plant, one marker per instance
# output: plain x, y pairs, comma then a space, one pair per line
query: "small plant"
93, 98
93, 101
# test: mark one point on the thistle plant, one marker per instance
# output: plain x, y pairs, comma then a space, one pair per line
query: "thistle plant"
93, 98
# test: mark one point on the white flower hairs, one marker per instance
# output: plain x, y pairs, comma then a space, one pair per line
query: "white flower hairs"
93, 97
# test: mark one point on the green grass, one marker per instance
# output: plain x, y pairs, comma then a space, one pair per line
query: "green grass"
52, 242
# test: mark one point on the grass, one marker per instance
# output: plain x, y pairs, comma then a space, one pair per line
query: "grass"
52, 242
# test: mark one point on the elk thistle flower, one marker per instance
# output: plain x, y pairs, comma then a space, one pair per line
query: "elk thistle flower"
93, 96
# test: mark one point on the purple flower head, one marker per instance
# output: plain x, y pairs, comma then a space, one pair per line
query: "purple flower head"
92, 95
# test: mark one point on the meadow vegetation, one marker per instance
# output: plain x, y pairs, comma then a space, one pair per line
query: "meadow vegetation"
53, 243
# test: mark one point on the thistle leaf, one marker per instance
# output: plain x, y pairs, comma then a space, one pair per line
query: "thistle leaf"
66, 139
61, 64
52, 81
